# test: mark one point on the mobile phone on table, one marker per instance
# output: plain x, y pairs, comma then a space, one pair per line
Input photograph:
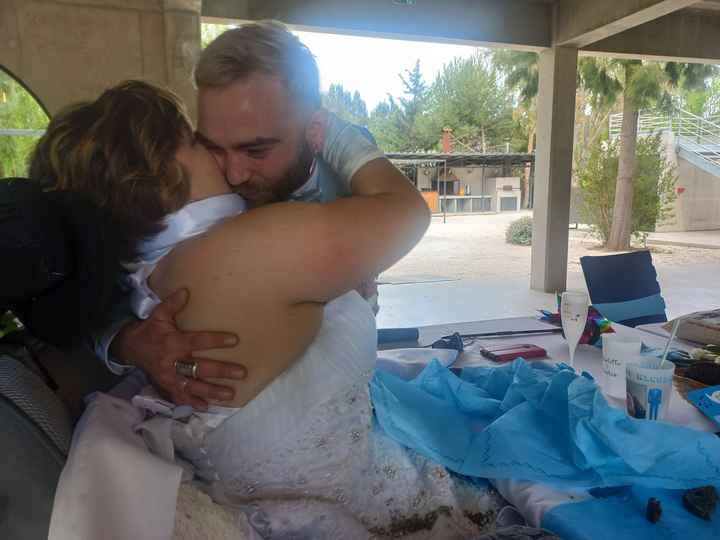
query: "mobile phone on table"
508, 353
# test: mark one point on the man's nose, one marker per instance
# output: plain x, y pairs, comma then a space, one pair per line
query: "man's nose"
237, 170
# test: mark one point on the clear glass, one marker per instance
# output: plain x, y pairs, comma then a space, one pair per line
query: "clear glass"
573, 313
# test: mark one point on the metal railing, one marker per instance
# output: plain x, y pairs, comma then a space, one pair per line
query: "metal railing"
693, 133
14, 132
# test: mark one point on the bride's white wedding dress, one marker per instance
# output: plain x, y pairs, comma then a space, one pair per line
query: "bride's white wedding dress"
304, 459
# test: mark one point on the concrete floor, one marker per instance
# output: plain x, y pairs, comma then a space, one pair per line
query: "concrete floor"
704, 239
464, 271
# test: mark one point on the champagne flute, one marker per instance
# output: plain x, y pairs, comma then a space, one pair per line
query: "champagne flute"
573, 313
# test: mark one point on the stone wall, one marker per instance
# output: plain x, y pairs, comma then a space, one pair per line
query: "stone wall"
66, 51
697, 205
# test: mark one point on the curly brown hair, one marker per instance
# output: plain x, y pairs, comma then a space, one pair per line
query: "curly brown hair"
119, 151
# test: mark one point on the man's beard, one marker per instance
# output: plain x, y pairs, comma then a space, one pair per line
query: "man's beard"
297, 174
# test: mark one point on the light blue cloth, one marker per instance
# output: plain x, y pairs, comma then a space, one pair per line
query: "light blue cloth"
537, 423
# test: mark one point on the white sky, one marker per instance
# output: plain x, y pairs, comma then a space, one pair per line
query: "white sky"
371, 65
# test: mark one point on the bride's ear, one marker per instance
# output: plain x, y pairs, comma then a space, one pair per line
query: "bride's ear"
315, 130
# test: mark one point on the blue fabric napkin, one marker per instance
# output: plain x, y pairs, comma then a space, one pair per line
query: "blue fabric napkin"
537, 423
622, 517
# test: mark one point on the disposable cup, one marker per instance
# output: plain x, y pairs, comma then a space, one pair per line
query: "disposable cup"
617, 350
649, 387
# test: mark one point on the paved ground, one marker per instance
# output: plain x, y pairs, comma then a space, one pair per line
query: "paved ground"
705, 239
463, 270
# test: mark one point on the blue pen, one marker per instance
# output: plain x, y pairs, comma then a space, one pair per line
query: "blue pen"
654, 401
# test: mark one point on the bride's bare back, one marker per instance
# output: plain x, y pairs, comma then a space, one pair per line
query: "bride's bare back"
228, 292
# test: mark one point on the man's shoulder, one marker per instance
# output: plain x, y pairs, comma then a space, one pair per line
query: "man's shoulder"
366, 132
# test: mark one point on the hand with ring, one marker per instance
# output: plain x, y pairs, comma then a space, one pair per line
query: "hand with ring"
187, 368
166, 355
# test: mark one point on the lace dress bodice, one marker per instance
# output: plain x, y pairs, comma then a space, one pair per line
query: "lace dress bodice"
306, 458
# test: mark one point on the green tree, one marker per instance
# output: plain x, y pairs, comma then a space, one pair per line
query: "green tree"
401, 125
208, 32
413, 105
349, 107
703, 102
520, 70
18, 110
641, 85
653, 186
469, 97
384, 123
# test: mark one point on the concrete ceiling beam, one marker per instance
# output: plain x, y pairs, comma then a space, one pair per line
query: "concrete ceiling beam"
507, 23
579, 23
689, 36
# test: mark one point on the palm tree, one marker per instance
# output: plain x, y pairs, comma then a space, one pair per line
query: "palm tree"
642, 84
521, 75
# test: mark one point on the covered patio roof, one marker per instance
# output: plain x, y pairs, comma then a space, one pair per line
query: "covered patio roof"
640, 28
463, 160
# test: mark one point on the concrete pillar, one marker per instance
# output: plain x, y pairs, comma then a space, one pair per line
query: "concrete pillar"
553, 168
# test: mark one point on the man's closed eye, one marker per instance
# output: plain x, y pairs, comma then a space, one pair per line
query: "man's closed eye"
258, 153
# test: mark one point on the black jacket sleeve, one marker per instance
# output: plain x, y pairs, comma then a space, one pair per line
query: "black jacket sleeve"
59, 262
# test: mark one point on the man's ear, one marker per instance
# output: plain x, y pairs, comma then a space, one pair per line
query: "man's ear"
315, 130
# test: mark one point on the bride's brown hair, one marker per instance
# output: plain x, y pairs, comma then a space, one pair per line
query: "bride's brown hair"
119, 151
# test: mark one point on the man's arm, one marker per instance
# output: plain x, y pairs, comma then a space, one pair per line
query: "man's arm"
344, 148
155, 344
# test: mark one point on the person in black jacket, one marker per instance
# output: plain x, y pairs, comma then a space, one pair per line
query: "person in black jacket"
60, 261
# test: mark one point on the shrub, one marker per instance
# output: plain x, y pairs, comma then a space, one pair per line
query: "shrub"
519, 232
8, 324
653, 186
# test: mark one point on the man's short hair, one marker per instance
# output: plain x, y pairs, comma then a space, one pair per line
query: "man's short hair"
263, 47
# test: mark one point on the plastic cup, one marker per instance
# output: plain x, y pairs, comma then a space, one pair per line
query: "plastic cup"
649, 388
616, 353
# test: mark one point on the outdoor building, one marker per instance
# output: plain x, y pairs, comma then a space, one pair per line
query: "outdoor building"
691, 145
467, 183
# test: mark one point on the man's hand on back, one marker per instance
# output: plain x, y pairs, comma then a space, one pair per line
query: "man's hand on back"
155, 344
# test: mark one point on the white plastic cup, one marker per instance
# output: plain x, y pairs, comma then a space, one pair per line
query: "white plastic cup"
649, 388
617, 350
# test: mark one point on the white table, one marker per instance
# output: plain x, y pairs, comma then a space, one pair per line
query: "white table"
658, 329
587, 358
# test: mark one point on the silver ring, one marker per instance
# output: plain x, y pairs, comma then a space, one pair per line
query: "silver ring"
186, 368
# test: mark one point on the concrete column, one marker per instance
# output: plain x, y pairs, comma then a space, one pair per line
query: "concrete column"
553, 168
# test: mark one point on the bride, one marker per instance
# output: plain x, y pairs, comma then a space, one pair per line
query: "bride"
298, 450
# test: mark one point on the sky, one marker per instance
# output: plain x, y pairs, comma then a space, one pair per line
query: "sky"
371, 65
